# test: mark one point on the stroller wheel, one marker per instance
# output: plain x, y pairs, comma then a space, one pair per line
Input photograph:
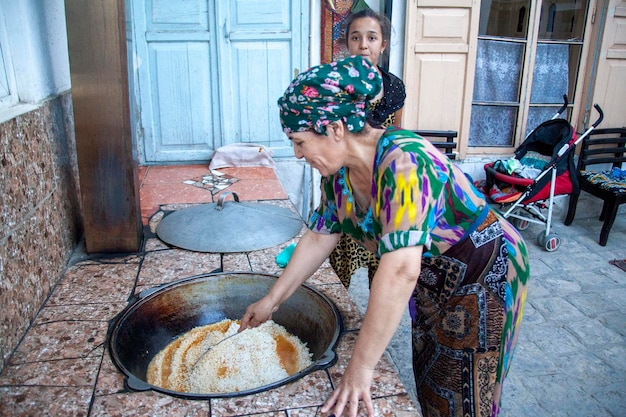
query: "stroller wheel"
521, 224
550, 242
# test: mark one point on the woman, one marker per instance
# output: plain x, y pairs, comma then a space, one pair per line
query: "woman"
461, 267
367, 34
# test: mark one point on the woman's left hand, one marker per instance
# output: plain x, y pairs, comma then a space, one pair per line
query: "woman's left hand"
391, 289
354, 387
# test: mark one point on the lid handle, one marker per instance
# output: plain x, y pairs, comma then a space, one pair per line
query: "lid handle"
220, 201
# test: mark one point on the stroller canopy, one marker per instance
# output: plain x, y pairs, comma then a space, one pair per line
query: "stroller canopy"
547, 139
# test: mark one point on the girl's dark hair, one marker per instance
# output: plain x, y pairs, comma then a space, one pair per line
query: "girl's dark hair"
385, 24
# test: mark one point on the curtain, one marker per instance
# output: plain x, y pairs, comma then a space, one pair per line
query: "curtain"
550, 82
498, 70
497, 79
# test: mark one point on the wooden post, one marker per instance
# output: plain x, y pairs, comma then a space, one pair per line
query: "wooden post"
109, 183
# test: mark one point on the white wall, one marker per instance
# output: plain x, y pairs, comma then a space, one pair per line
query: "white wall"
396, 57
37, 49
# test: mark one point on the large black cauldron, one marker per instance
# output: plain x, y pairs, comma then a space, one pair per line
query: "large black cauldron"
159, 315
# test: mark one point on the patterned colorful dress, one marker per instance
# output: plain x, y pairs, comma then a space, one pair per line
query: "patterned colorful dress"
467, 306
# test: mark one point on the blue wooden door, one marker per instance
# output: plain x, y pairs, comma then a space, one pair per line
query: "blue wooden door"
207, 73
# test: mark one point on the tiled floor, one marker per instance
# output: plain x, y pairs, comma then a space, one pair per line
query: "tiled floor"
62, 366
569, 360
165, 185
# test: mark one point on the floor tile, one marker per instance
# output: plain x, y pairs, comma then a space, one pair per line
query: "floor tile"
28, 401
73, 312
250, 173
75, 372
349, 311
264, 261
174, 173
169, 193
142, 172
110, 378
61, 340
303, 412
169, 265
165, 185
107, 283
258, 190
309, 390
236, 262
394, 406
147, 403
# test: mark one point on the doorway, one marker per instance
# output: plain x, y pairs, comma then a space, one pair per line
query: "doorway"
208, 73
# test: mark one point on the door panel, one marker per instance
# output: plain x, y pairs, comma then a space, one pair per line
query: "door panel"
258, 89
443, 76
174, 73
255, 17
610, 82
180, 94
260, 49
439, 60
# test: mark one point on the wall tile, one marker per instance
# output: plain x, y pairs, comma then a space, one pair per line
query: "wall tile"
40, 220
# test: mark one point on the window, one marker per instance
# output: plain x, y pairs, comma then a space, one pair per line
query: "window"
521, 76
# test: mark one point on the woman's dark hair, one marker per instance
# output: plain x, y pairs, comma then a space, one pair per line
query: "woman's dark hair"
385, 24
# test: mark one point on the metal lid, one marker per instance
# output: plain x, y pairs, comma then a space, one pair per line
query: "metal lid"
226, 227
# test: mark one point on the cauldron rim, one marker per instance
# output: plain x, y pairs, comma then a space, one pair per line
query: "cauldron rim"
133, 382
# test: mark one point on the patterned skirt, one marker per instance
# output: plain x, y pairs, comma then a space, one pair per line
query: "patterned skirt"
466, 311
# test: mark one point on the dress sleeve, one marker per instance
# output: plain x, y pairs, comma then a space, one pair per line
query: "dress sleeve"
325, 218
395, 93
411, 197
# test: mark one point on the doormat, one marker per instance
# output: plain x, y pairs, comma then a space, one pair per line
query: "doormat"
214, 182
621, 264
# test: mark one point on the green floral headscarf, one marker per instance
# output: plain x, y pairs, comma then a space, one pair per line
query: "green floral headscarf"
326, 93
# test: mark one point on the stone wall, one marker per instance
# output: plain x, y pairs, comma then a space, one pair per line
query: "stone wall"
40, 221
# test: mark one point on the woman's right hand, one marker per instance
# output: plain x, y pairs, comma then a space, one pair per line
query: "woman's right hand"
258, 313
312, 249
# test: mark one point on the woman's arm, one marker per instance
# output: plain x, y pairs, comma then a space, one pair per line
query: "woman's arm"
391, 290
310, 252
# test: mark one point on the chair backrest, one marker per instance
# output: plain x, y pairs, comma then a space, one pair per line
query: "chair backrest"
447, 147
603, 147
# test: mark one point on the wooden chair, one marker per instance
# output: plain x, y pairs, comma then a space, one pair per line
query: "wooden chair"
605, 147
448, 146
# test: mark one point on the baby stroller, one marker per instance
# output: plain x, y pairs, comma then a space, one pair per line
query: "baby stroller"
543, 167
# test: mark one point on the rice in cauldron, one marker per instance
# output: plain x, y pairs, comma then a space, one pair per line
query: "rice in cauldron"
254, 358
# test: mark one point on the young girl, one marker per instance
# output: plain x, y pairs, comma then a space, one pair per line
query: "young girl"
367, 34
